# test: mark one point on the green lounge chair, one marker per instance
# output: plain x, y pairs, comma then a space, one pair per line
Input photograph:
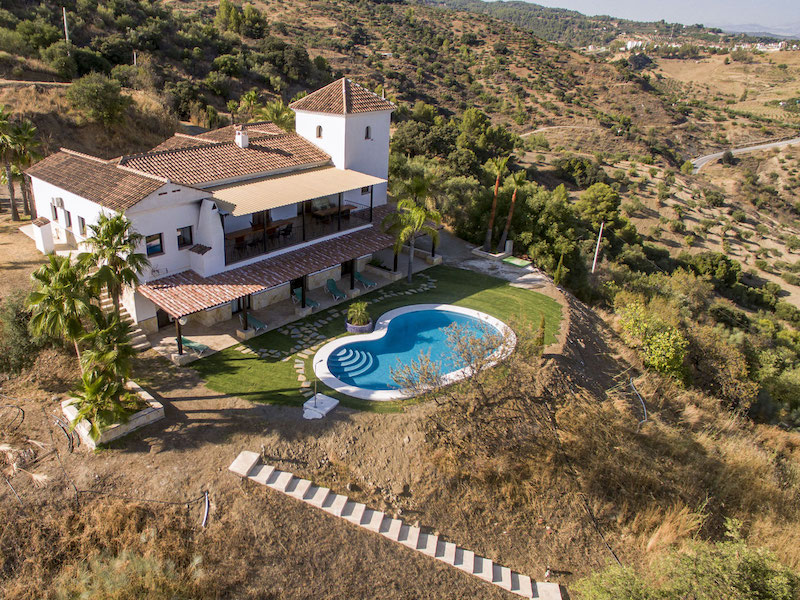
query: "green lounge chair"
255, 323
367, 283
335, 291
297, 296
195, 347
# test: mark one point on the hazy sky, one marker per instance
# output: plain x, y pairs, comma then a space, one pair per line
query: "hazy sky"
709, 12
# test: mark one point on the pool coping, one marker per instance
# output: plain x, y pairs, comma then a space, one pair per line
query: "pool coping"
320, 361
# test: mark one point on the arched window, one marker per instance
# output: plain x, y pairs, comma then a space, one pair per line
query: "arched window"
368, 133
319, 131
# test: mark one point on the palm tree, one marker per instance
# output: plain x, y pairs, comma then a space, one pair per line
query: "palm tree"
280, 114
27, 152
518, 177
60, 301
98, 402
8, 154
248, 105
419, 187
409, 221
113, 250
499, 165
107, 348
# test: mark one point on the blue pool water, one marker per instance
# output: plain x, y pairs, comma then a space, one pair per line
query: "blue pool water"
367, 364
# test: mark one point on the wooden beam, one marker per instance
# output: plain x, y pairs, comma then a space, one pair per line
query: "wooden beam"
178, 335
303, 292
352, 273
244, 311
371, 188
339, 214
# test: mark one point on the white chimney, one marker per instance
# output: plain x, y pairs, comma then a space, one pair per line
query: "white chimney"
241, 137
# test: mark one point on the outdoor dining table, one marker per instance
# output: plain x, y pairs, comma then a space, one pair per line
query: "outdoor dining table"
324, 214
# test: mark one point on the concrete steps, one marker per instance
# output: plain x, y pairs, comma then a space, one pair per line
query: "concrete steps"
247, 465
138, 339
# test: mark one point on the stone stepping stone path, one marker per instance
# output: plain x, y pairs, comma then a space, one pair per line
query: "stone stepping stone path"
247, 465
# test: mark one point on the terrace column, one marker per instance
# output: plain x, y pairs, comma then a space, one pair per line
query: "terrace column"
370, 202
178, 335
352, 273
339, 214
303, 217
395, 262
303, 292
244, 311
264, 231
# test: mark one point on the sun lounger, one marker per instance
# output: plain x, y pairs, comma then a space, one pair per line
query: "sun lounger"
335, 291
297, 296
195, 347
255, 323
367, 283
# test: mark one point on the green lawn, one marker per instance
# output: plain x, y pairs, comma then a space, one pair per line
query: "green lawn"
274, 381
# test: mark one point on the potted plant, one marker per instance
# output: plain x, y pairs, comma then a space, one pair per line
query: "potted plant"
358, 319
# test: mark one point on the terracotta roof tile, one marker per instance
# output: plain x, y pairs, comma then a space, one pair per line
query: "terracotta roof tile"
186, 293
220, 161
95, 179
179, 140
342, 97
40, 222
254, 131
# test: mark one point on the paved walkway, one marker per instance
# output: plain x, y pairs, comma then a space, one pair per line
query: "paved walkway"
247, 464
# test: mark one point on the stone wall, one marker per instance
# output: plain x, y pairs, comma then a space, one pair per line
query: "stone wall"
270, 296
319, 279
213, 315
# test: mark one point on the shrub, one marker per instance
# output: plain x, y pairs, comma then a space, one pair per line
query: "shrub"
662, 346
357, 313
18, 348
99, 97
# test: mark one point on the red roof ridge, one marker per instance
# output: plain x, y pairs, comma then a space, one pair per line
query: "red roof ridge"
87, 156
142, 173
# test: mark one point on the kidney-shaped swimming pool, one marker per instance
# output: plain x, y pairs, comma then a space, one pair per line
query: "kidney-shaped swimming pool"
361, 365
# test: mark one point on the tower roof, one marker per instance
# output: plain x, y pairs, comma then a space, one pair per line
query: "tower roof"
342, 97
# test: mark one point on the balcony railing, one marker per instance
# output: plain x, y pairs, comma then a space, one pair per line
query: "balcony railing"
261, 239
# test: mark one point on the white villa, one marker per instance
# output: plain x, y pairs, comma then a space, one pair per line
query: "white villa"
237, 217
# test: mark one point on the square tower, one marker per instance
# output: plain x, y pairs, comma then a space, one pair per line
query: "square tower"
351, 124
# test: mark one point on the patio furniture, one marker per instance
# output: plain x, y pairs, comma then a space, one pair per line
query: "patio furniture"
367, 283
255, 323
297, 297
195, 347
287, 231
334, 290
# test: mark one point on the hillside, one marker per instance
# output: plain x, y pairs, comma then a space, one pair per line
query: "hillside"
414, 52
577, 30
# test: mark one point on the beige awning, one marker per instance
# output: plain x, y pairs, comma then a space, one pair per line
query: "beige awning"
256, 195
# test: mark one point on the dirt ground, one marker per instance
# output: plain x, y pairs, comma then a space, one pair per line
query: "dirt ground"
379, 459
18, 254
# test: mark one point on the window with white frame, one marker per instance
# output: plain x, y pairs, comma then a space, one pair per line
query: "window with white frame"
67, 219
319, 131
368, 133
365, 190
81, 225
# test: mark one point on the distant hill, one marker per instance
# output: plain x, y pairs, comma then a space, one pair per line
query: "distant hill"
577, 30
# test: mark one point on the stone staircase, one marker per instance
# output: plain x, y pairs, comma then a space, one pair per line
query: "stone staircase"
137, 339
247, 466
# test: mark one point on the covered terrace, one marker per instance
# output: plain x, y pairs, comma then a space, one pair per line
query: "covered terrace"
280, 211
185, 296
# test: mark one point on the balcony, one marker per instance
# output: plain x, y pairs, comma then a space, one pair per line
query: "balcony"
268, 236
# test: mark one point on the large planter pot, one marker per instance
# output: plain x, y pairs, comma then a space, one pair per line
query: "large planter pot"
359, 328
153, 412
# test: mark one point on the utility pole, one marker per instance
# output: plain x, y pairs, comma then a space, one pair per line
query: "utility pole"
597, 249
66, 29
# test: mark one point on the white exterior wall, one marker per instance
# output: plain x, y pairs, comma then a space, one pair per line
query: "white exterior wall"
164, 211
333, 133
44, 195
343, 139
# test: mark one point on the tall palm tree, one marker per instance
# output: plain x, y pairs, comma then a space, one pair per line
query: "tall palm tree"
8, 154
113, 251
107, 348
280, 114
28, 147
409, 221
60, 301
420, 187
499, 165
519, 178
248, 105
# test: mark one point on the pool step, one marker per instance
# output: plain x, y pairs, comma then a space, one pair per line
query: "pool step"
351, 363
247, 466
